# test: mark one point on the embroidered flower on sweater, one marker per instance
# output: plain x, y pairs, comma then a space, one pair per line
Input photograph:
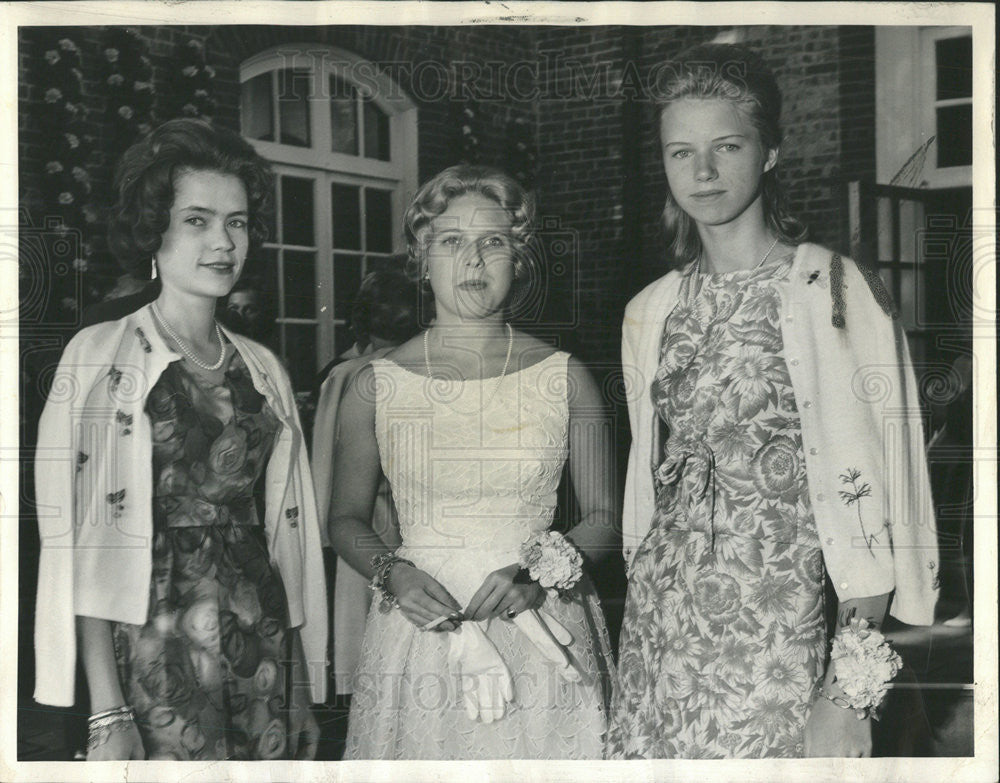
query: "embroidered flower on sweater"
117, 500
859, 490
124, 421
143, 340
816, 276
114, 379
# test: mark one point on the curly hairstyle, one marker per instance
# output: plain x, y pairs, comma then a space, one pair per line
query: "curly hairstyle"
729, 72
146, 176
434, 197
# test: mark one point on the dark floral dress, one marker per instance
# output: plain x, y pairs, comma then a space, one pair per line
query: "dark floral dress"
206, 673
723, 638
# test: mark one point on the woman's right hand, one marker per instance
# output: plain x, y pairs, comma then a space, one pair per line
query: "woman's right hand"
123, 744
421, 597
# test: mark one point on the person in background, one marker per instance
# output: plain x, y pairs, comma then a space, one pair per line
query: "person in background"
249, 310
383, 316
201, 624
760, 454
949, 453
127, 296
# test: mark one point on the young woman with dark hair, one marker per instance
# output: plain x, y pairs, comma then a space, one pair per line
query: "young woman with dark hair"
201, 625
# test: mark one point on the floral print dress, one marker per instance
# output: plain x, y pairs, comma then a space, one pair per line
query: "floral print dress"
723, 638
205, 674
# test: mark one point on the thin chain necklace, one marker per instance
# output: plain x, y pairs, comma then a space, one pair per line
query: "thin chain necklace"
758, 265
503, 372
183, 346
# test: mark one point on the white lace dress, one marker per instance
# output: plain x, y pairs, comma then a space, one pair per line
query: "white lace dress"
470, 485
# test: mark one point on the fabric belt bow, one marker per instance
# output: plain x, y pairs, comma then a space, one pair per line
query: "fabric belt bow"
692, 456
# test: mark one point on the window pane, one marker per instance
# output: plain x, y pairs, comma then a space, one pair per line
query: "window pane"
889, 278
346, 281
954, 136
378, 220
908, 314
256, 109
300, 284
343, 117
344, 203
293, 107
300, 354
268, 272
297, 211
953, 60
271, 216
376, 132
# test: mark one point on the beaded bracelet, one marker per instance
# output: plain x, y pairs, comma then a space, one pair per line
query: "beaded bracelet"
859, 713
102, 725
383, 563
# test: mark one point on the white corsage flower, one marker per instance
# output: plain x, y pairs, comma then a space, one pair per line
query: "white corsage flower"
865, 664
551, 560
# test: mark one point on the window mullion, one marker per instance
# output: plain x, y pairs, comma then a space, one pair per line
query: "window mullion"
320, 110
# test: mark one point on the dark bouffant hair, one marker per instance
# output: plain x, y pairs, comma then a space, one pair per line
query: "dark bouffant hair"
386, 306
145, 178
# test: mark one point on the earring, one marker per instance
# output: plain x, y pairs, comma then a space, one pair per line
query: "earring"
152, 272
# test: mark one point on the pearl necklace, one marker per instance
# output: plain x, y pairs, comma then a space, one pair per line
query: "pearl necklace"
503, 372
183, 346
758, 265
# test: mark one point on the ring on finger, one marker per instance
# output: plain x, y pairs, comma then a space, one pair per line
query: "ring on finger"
511, 613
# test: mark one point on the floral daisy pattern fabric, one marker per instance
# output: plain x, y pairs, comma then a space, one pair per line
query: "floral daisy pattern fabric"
723, 639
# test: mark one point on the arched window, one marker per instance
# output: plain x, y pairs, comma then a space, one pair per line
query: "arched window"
342, 139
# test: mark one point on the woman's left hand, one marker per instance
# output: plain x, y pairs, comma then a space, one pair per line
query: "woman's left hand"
500, 594
303, 736
833, 731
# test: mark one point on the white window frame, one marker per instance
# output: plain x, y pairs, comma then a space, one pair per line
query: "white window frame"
905, 102
398, 174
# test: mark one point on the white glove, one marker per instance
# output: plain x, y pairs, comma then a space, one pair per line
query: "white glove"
484, 679
550, 637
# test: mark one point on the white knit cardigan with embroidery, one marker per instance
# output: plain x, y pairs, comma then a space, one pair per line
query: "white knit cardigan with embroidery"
857, 400
93, 485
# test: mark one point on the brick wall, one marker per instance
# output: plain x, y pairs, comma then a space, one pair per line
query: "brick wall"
599, 171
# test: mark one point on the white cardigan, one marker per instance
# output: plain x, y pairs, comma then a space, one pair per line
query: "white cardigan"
93, 485
857, 399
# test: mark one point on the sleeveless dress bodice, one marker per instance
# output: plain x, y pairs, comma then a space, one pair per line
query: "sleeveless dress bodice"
475, 468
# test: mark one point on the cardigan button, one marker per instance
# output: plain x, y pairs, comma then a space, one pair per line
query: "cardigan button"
293, 523
814, 451
820, 496
807, 404
843, 585
795, 362
789, 318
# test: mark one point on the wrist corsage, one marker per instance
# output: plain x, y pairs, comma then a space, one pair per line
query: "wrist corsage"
552, 561
865, 664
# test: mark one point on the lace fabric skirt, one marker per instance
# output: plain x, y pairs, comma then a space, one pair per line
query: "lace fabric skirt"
407, 705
